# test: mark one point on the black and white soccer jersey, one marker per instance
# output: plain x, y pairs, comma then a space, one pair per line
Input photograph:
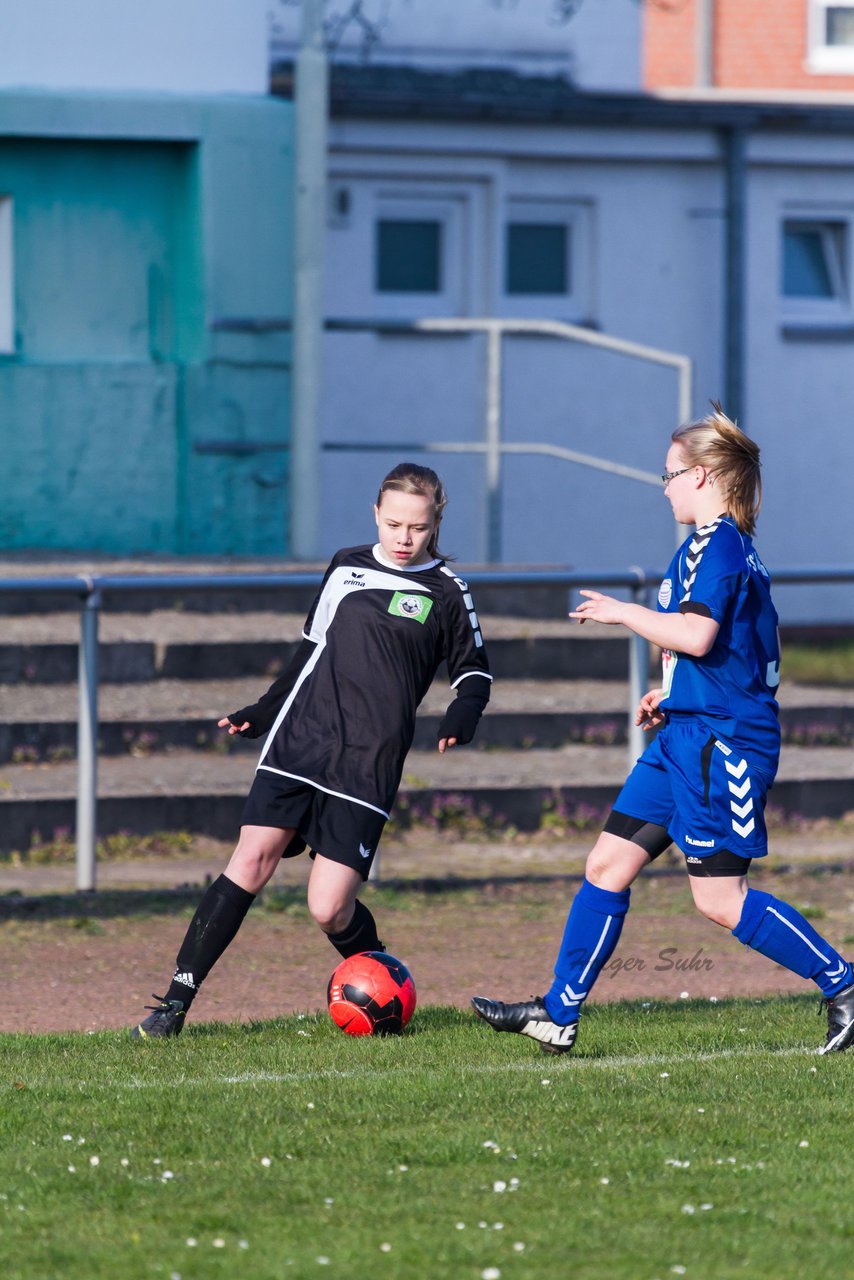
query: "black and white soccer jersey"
379, 635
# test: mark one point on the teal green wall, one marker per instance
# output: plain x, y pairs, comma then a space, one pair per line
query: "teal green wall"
126, 249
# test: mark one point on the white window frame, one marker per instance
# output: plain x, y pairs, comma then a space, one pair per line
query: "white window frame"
823, 58
577, 216
836, 312
7, 277
450, 208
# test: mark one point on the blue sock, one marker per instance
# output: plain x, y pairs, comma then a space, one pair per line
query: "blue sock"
591, 934
782, 934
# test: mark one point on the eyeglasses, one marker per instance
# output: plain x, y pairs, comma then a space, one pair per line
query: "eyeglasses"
671, 475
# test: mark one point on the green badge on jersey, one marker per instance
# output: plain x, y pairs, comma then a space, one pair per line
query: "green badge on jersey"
404, 605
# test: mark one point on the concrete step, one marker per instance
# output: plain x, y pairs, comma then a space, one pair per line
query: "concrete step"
181, 790
38, 723
176, 645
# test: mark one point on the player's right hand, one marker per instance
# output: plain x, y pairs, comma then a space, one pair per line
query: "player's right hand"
232, 728
648, 714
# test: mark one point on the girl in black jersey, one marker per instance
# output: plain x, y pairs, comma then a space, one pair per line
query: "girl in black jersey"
339, 723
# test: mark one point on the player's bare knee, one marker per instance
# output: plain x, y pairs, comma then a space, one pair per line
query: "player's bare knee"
726, 914
253, 863
332, 915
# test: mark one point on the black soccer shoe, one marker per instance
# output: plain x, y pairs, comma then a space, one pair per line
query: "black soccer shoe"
165, 1019
527, 1018
840, 1021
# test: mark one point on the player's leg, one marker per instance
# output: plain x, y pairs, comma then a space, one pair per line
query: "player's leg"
596, 917
335, 906
345, 835
214, 925
592, 931
734, 807
775, 929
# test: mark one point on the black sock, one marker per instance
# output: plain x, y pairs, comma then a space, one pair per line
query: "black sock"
218, 917
360, 934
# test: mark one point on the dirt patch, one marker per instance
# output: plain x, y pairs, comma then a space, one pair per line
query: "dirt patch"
75, 963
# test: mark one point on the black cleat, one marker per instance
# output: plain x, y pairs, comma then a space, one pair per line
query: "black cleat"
165, 1019
840, 1021
527, 1018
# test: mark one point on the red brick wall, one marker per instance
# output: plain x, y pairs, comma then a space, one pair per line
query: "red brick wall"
758, 44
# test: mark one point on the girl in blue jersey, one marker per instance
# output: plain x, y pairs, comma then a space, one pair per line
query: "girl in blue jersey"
702, 782
338, 725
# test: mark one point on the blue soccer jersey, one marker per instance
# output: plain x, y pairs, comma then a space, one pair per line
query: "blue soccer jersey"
717, 573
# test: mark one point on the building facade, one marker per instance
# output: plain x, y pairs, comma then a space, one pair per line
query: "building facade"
759, 46
145, 197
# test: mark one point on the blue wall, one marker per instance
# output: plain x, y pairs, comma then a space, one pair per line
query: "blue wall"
137, 224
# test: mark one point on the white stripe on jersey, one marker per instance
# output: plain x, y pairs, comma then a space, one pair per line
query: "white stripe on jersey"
341, 582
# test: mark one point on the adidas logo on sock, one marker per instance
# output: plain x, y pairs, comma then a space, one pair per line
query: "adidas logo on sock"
186, 980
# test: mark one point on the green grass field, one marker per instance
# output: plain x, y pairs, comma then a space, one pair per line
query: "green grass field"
699, 1139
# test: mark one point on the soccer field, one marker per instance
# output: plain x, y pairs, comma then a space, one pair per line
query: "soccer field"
691, 1138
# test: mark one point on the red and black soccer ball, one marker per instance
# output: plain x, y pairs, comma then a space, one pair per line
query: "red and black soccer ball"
371, 994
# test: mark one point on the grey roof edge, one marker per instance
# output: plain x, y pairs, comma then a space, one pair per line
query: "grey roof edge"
382, 91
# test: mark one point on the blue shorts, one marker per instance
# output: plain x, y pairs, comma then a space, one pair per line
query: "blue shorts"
701, 790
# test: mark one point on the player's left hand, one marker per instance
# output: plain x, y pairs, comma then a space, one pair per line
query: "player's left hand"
446, 742
599, 608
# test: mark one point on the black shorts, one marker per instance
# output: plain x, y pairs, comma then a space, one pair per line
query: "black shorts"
654, 840
342, 830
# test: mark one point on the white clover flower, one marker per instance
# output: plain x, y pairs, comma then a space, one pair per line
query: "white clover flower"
72, 1168
499, 1186
803, 1143
491, 1273
191, 1242
461, 1226
688, 1208
518, 1246
385, 1247
66, 1137
266, 1161
604, 1181
94, 1161
218, 1243
683, 995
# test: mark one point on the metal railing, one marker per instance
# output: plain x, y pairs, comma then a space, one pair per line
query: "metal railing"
493, 447
91, 591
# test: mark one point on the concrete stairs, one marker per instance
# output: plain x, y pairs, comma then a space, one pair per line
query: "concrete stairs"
552, 743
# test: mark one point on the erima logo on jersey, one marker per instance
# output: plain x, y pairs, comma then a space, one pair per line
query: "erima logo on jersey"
355, 580
699, 844
409, 606
665, 593
366, 853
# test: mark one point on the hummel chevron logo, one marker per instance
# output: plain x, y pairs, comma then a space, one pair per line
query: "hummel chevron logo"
745, 830
740, 792
186, 980
742, 810
366, 853
736, 769
837, 972
570, 997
